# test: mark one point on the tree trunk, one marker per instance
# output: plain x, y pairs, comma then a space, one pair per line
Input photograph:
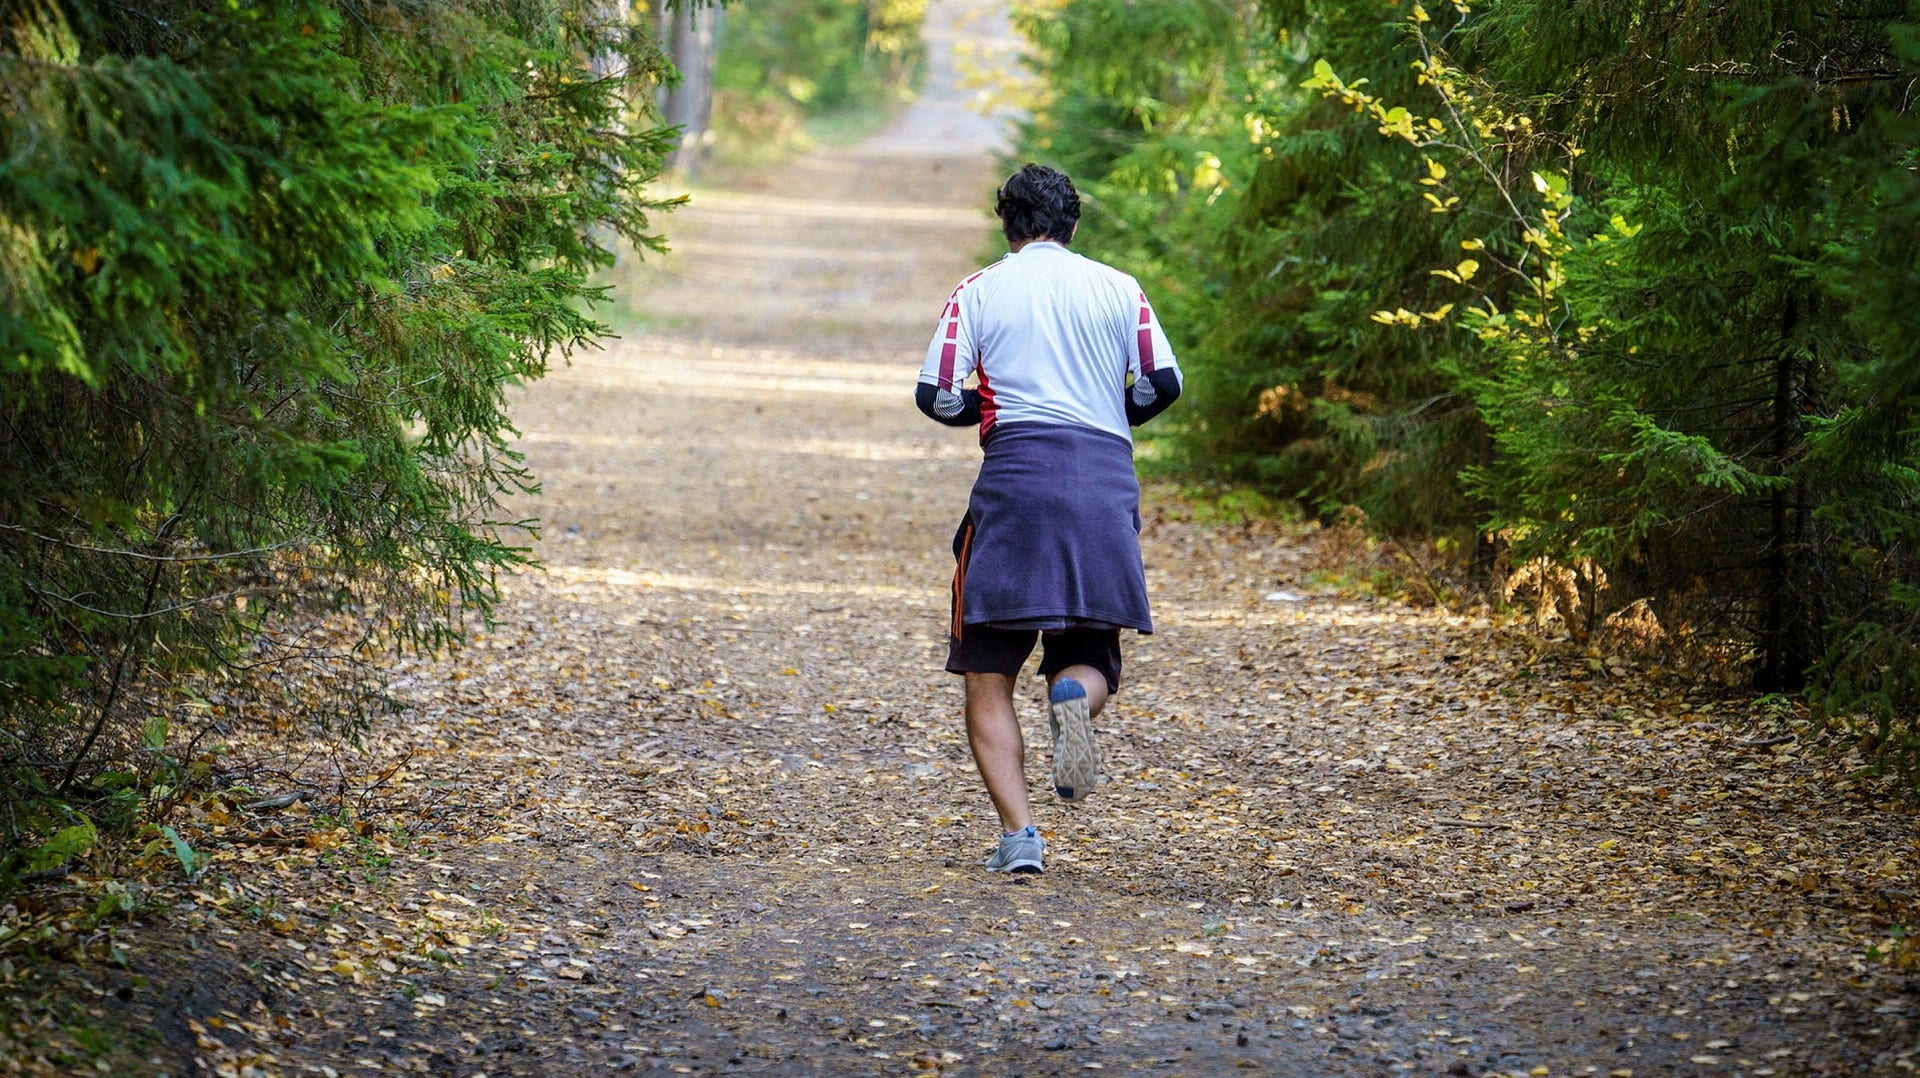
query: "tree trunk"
1784, 634
691, 38
1486, 551
608, 64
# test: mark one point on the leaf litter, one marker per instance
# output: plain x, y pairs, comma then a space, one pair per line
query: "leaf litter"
701, 802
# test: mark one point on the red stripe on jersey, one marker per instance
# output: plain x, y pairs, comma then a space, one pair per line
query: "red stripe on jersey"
946, 366
953, 334
952, 316
1146, 337
989, 411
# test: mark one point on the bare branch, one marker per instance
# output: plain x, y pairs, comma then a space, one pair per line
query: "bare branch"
138, 555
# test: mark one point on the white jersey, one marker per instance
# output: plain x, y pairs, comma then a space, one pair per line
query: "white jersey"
1052, 336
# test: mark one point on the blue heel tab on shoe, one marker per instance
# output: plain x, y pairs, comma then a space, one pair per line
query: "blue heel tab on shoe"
1067, 689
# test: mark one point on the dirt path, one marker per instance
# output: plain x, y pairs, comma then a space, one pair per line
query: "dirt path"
703, 802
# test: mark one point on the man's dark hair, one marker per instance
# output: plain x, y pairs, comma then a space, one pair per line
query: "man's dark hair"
1037, 202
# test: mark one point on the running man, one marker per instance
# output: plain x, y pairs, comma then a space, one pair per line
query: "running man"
1068, 357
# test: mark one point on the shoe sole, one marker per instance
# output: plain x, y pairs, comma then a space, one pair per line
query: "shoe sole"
1020, 868
1021, 865
1076, 762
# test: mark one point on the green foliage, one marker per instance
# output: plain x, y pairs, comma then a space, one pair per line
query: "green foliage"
1734, 376
64, 846
782, 60
1619, 286
1265, 222
268, 271
185, 854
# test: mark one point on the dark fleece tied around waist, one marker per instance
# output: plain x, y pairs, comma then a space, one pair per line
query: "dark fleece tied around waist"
1052, 532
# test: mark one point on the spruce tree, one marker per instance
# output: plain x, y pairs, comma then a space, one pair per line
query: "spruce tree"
267, 272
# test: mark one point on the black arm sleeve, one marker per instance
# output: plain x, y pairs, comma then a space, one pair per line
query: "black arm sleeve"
1165, 383
925, 395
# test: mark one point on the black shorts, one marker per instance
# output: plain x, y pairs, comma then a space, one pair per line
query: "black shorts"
983, 649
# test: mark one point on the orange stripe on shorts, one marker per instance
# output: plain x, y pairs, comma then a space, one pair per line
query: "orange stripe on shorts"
960, 579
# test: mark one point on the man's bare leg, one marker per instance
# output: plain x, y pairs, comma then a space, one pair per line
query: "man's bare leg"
998, 748
1091, 680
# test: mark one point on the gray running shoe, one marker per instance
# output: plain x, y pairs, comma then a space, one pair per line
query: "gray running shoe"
1018, 852
1076, 761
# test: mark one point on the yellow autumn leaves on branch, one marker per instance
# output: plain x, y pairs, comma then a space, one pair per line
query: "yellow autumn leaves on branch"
1478, 131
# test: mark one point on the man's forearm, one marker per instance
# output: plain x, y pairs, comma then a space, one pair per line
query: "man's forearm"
1151, 394
961, 409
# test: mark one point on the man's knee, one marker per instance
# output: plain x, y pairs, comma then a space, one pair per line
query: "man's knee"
984, 685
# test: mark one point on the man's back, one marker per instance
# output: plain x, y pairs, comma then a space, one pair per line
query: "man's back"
1053, 337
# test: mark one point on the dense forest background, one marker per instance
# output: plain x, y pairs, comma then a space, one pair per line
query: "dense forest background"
1610, 302
786, 64
1606, 306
